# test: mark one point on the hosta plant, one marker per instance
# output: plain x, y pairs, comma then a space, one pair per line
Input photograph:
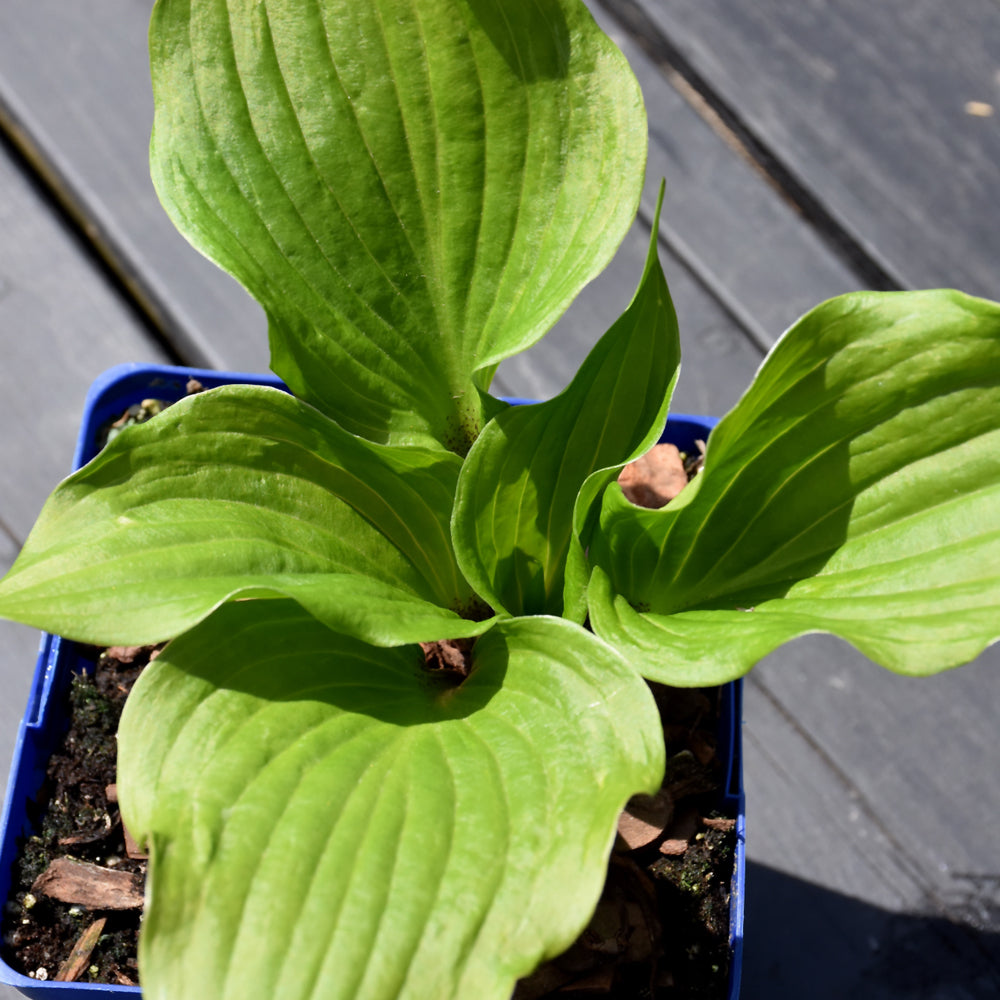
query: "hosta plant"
415, 190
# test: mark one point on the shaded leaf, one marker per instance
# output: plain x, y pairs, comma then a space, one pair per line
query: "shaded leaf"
855, 489
412, 189
327, 820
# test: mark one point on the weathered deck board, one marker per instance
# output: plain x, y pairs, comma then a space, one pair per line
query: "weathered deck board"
838, 904
74, 87
61, 324
761, 260
928, 744
18, 651
921, 755
83, 110
718, 360
865, 105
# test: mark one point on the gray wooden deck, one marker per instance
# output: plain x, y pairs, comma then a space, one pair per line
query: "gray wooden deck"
809, 148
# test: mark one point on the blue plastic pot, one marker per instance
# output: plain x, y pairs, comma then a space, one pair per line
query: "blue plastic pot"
44, 722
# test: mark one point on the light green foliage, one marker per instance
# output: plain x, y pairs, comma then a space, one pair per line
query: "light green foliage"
414, 190
855, 489
246, 490
374, 834
534, 472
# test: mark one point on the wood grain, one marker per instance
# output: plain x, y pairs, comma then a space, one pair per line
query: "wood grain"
718, 358
83, 109
76, 97
735, 233
865, 105
82, 883
61, 324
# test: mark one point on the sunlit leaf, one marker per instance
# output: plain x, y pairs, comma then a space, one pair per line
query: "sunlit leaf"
535, 471
327, 819
412, 189
855, 489
245, 490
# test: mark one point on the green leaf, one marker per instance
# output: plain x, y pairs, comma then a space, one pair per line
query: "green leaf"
328, 820
855, 489
412, 189
245, 491
530, 480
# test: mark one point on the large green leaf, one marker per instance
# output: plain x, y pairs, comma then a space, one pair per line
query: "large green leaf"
855, 489
413, 189
245, 490
327, 820
536, 470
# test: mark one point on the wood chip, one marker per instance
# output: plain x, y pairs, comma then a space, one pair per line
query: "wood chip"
83, 884
686, 777
449, 656
654, 479
124, 654
79, 957
111, 792
718, 823
682, 829
644, 819
673, 847
544, 980
702, 747
979, 109
75, 839
600, 981
132, 849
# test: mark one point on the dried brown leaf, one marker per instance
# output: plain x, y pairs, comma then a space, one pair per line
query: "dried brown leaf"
718, 823
644, 819
654, 479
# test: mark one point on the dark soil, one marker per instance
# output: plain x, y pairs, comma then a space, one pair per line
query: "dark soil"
661, 929
77, 819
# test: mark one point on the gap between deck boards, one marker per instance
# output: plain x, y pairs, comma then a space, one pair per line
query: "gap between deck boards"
731, 128
72, 213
